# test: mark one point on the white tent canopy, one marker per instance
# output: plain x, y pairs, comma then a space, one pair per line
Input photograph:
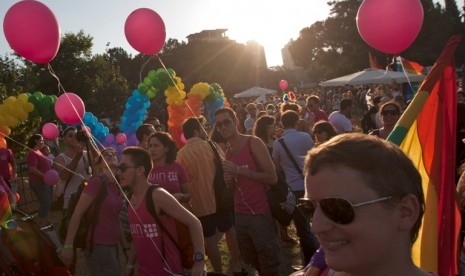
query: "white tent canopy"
375, 76
255, 92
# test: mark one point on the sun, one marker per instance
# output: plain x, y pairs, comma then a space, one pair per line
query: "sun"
274, 23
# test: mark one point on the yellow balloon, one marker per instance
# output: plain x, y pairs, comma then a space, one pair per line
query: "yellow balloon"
29, 107
23, 97
10, 100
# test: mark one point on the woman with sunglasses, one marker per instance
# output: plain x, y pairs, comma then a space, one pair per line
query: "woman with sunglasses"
106, 231
390, 114
323, 131
368, 222
167, 173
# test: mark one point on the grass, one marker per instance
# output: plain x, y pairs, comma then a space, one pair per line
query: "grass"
289, 255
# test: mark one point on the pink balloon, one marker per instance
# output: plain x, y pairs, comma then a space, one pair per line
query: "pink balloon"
51, 177
283, 84
50, 131
390, 26
145, 31
32, 31
120, 138
70, 108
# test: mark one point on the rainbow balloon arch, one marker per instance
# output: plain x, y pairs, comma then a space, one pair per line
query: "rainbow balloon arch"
70, 109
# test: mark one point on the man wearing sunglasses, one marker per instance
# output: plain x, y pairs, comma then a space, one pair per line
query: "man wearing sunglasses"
366, 214
249, 166
154, 255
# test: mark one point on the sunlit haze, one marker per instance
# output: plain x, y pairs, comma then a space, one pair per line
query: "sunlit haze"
271, 23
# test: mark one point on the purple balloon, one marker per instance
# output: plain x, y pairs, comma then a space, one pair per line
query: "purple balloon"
51, 177
110, 138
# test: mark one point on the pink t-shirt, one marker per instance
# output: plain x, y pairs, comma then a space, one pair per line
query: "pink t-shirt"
149, 244
249, 196
6, 157
170, 177
36, 159
107, 231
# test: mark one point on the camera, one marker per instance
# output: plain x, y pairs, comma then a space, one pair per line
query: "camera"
82, 136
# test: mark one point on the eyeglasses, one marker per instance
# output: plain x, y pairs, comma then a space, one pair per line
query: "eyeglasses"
389, 112
123, 167
339, 210
225, 123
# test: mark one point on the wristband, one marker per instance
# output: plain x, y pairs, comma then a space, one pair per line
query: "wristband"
67, 246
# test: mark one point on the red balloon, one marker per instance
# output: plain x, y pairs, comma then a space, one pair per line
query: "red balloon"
69, 108
32, 31
120, 138
50, 131
51, 177
145, 31
390, 26
283, 84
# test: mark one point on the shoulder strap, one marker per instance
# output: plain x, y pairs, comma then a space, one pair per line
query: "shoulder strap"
299, 170
151, 208
215, 151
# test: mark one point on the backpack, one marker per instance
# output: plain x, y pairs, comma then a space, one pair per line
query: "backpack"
184, 244
224, 192
88, 220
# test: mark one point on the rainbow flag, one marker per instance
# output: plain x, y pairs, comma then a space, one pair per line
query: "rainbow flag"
411, 67
373, 62
426, 133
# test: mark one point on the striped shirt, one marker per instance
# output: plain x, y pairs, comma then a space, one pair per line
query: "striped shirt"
197, 158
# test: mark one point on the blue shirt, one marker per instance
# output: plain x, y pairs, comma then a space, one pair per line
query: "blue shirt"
298, 144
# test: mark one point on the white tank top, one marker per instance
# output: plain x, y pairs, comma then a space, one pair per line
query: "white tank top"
80, 173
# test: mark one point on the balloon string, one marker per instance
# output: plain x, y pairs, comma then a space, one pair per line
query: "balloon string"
405, 73
50, 69
143, 67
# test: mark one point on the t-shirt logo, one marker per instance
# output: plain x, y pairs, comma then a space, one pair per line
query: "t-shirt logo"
150, 230
172, 176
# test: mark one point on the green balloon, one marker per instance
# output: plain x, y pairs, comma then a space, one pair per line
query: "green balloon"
152, 74
38, 95
147, 81
150, 94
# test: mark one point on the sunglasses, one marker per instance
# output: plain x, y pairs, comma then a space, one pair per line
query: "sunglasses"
389, 112
123, 167
339, 210
225, 123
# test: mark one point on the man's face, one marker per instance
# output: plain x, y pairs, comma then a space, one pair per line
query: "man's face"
252, 110
126, 171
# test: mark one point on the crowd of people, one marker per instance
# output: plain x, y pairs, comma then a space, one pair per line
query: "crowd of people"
347, 223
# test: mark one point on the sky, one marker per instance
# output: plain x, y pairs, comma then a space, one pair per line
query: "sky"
272, 23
